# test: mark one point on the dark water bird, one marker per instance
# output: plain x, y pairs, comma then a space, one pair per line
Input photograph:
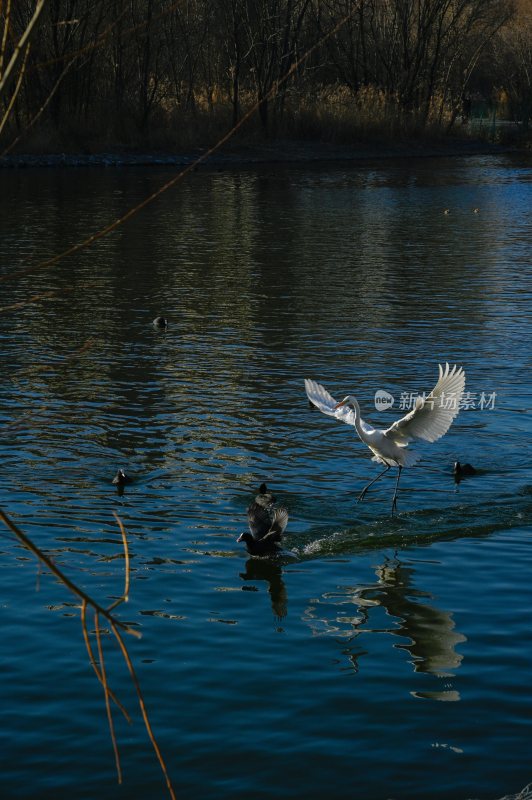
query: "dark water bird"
266, 528
121, 478
430, 419
160, 322
266, 524
462, 471
264, 499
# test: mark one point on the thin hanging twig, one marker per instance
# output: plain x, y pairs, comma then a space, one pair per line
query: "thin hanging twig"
3, 46
115, 625
93, 663
106, 694
17, 89
9, 73
26, 541
36, 116
144, 711
125, 596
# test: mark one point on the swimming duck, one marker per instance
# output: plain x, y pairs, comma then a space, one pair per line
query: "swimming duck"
266, 527
120, 479
160, 322
259, 523
462, 471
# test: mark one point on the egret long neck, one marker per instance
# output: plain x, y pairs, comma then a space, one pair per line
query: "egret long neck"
356, 409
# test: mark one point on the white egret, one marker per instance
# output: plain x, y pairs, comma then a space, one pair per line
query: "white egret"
430, 419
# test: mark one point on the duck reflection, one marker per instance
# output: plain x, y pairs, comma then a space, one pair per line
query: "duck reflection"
430, 632
271, 572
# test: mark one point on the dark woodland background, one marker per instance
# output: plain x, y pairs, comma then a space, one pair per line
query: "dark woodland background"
170, 75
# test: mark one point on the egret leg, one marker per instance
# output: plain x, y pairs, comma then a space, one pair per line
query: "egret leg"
394, 501
365, 489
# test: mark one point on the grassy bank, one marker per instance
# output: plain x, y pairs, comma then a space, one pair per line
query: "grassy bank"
368, 120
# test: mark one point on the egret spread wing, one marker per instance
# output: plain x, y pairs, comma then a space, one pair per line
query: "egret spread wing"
432, 416
320, 397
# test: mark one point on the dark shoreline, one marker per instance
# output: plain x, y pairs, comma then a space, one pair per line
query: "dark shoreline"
280, 152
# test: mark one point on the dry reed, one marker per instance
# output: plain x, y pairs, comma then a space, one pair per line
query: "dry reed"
116, 625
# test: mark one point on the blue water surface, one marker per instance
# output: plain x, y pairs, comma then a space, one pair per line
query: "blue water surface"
380, 657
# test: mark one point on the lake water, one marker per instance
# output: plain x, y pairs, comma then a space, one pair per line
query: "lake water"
381, 657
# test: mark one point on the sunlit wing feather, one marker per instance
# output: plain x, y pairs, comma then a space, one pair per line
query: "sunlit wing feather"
264, 522
259, 520
320, 397
280, 521
431, 417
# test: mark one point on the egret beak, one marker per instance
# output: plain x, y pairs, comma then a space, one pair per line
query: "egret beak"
340, 404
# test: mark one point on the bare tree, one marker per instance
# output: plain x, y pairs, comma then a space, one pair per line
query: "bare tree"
105, 67
512, 56
22, 41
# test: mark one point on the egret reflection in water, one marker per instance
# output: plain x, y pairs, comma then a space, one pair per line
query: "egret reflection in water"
430, 631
